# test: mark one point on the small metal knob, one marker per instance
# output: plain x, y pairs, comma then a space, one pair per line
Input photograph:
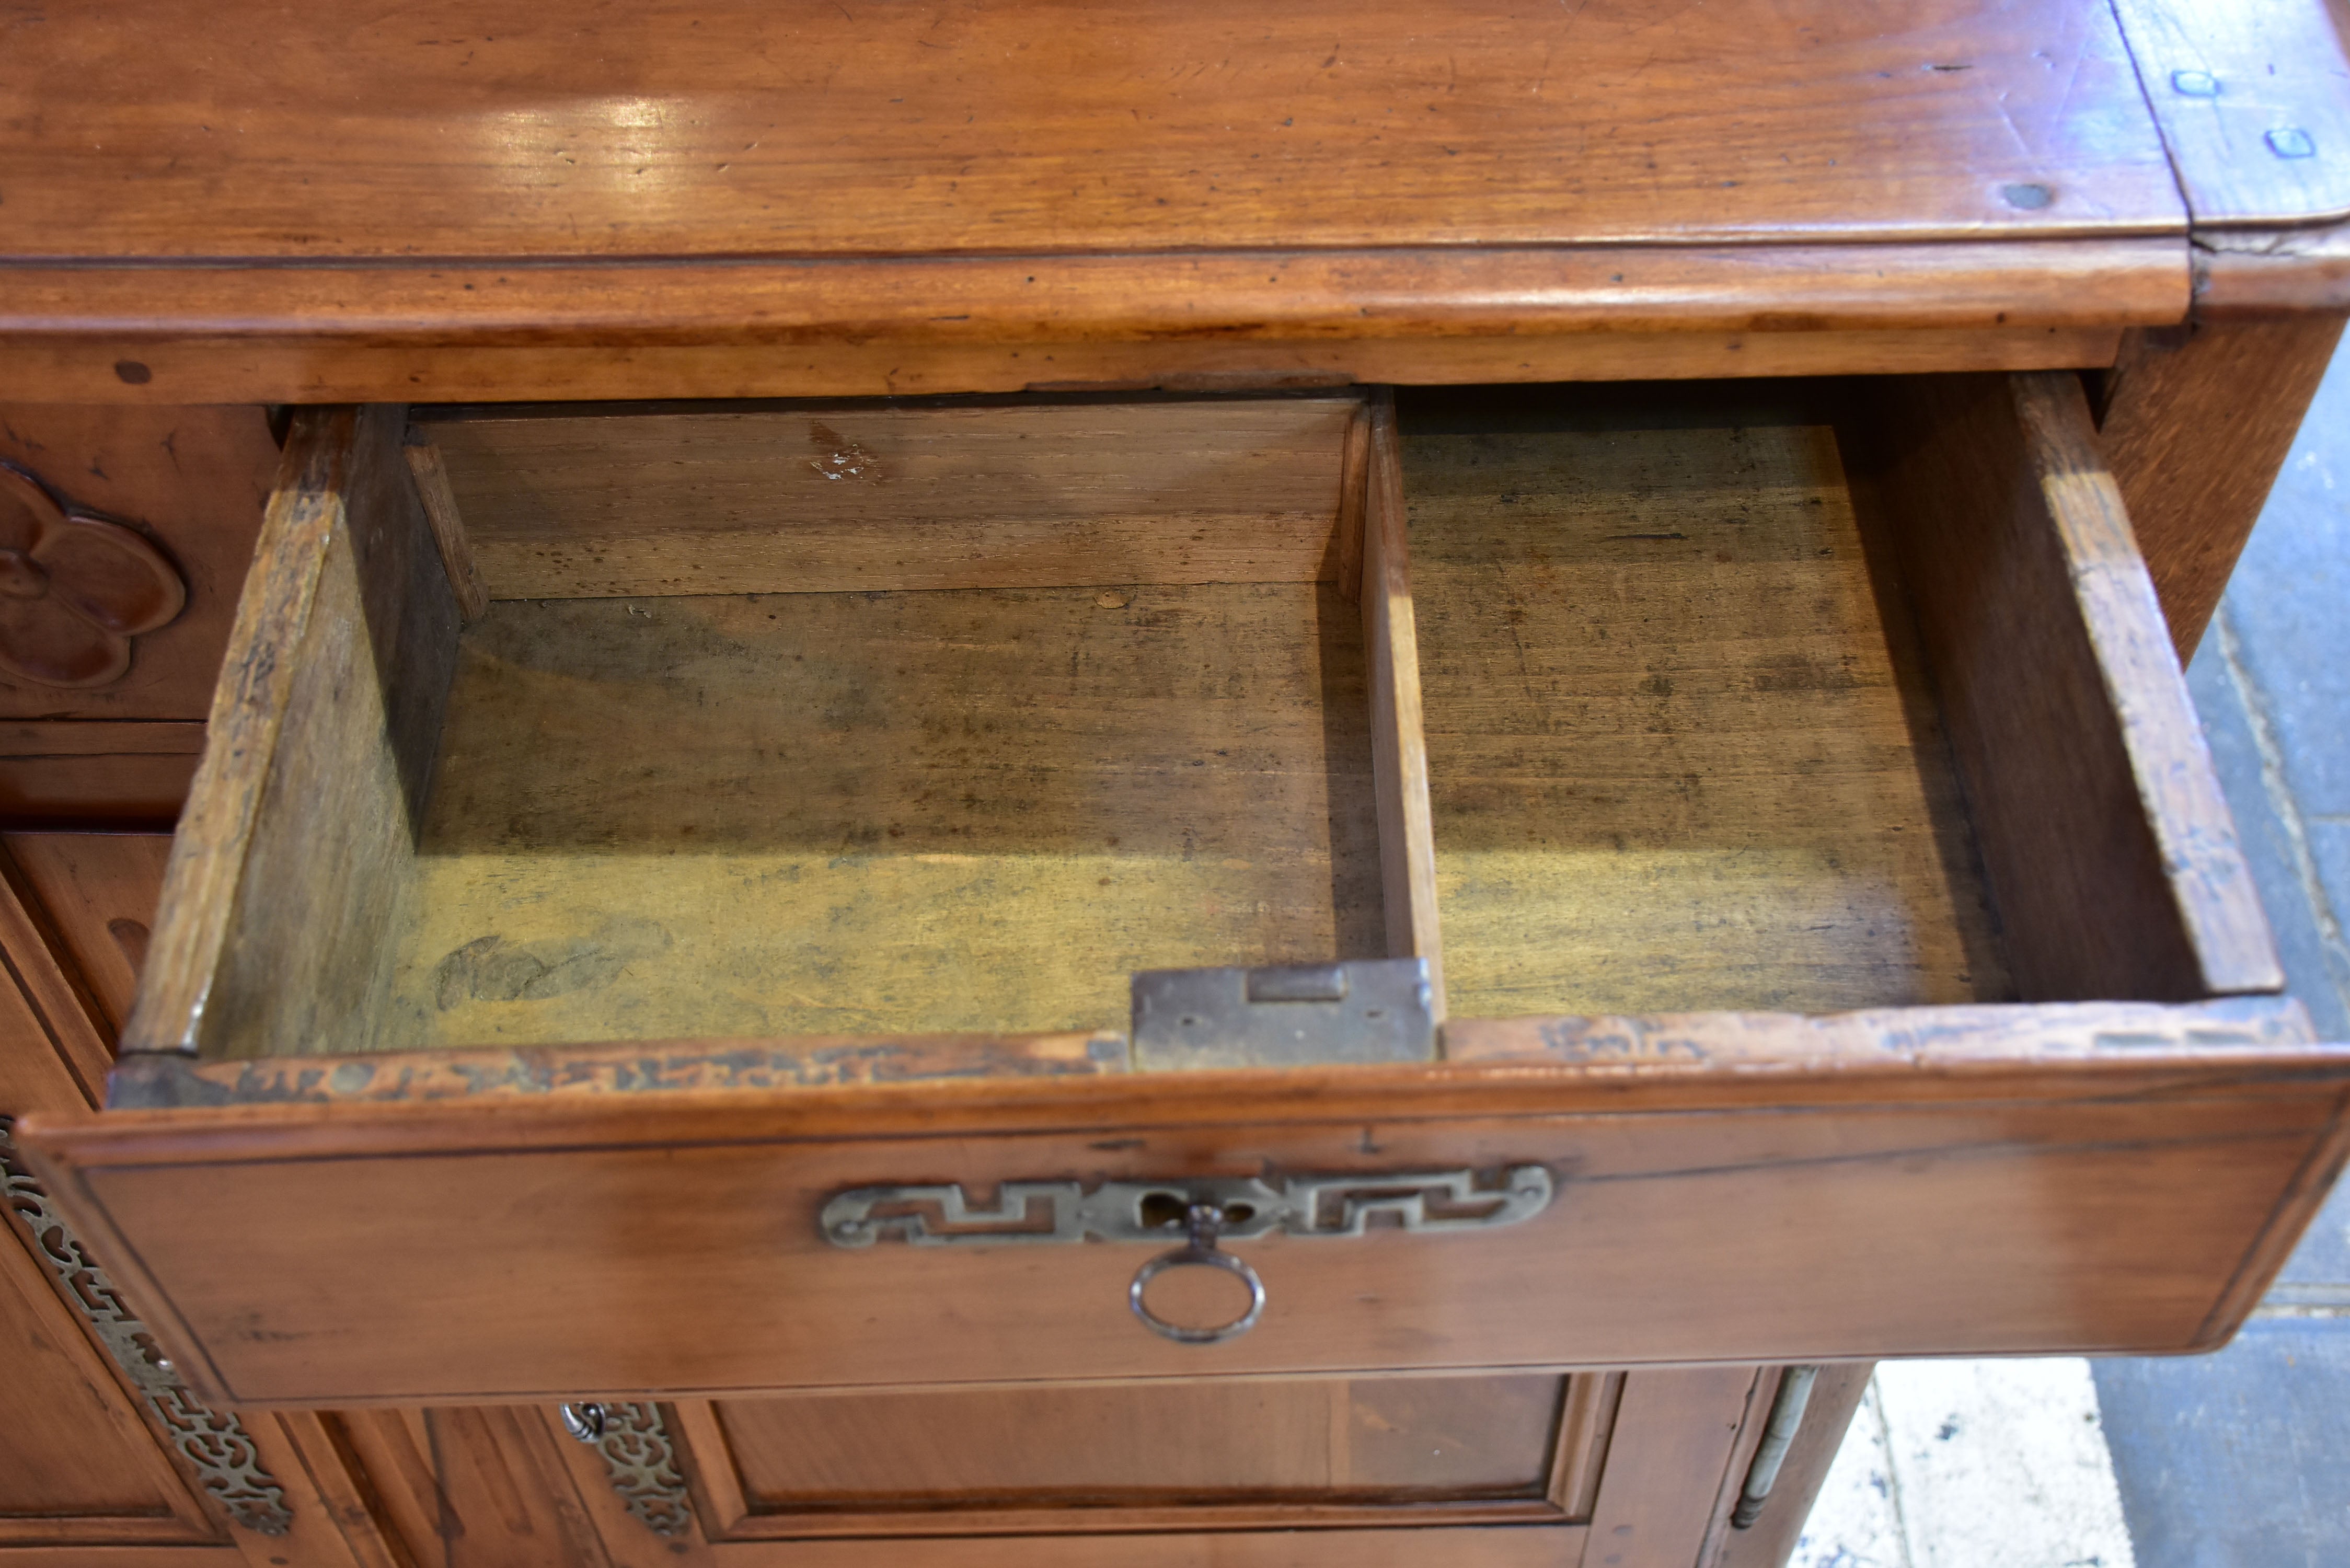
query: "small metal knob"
1204, 1222
584, 1419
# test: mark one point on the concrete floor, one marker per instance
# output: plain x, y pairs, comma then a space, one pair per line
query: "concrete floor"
2240, 1459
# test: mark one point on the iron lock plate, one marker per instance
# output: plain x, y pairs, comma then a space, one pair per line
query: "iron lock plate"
1292, 1016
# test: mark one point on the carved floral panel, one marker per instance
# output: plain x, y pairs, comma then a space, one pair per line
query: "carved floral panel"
75, 589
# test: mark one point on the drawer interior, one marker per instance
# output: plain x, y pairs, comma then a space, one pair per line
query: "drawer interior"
886, 811
876, 720
1074, 694
1684, 751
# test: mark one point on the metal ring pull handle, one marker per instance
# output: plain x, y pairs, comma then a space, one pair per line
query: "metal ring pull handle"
1205, 1221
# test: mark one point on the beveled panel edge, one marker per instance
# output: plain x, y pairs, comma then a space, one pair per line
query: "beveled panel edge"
925, 325
1402, 292
304, 370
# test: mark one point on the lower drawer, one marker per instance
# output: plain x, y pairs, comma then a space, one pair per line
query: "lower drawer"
700, 967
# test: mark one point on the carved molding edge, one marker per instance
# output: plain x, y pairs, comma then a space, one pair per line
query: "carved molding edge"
215, 1441
642, 1456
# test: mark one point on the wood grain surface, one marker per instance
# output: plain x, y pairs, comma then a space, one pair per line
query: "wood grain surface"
2195, 424
1770, 1539
98, 891
1291, 295
41, 1069
484, 1488
68, 772
77, 1466
835, 499
1669, 1462
901, 813
1469, 1546
448, 521
1586, 1427
2110, 852
2252, 106
1681, 750
59, 1043
496, 131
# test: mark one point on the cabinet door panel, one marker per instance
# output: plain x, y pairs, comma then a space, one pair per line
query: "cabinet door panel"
99, 891
77, 1464
1213, 1453
97, 1469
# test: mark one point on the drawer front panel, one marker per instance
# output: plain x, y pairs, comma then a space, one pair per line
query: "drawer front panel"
505, 1249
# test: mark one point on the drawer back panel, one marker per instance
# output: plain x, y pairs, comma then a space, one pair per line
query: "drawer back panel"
834, 497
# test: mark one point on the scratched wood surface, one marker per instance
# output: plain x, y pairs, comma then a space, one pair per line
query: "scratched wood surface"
884, 813
1680, 748
2250, 105
499, 130
820, 199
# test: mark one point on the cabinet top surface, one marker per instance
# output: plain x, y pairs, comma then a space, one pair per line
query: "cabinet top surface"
175, 130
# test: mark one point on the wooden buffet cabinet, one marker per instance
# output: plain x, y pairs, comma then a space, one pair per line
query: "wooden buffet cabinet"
1138, 785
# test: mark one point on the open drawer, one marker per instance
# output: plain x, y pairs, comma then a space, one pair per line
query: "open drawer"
1719, 882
